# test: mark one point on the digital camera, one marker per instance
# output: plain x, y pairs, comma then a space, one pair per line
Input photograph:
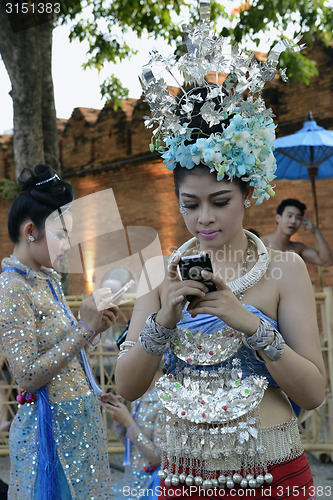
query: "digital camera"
190, 268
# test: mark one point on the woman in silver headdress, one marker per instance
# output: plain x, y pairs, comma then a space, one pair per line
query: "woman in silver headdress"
238, 341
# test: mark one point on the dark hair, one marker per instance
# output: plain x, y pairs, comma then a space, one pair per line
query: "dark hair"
253, 231
290, 202
201, 129
194, 119
179, 173
42, 192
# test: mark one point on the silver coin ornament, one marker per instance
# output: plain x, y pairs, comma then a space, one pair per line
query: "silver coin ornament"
260, 479
221, 479
215, 483
252, 483
268, 478
243, 483
161, 474
198, 481
207, 484
182, 477
175, 480
167, 481
189, 480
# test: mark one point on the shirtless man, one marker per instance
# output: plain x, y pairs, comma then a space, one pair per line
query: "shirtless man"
289, 217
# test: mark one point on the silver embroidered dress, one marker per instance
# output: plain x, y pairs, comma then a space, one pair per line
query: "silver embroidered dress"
37, 333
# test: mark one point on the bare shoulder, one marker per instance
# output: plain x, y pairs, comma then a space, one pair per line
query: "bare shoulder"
266, 239
285, 260
288, 269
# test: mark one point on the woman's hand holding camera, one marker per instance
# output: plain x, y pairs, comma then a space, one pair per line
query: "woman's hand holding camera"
225, 305
98, 311
175, 297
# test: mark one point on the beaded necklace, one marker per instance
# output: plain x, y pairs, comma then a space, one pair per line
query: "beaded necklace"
248, 279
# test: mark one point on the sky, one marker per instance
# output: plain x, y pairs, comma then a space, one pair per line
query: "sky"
76, 87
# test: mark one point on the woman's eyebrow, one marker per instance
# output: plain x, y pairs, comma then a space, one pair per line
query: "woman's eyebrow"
218, 193
188, 195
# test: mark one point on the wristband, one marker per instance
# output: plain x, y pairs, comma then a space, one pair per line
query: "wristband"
261, 338
87, 327
154, 338
94, 345
276, 348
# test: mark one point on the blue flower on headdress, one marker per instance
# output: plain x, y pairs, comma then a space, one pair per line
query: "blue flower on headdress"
184, 156
243, 149
170, 163
237, 123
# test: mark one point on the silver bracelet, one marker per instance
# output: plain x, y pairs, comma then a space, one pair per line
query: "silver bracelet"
261, 338
155, 338
125, 346
276, 348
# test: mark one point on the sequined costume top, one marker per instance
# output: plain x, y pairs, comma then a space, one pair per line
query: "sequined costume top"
40, 336
144, 450
249, 361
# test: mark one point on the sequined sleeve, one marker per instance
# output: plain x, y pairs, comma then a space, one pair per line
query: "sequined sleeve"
150, 448
31, 367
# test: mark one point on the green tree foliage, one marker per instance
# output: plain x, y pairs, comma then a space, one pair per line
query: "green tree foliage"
109, 21
105, 23
312, 18
113, 91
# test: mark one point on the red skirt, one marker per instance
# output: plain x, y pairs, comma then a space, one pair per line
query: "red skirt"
292, 481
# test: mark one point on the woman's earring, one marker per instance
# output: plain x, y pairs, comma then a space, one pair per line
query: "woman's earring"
247, 203
182, 209
30, 239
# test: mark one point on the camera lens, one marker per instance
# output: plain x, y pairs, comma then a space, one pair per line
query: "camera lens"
194, 273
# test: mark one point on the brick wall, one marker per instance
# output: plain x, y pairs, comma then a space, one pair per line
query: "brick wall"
102, 149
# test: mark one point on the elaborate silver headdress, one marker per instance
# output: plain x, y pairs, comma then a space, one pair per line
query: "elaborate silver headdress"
243, 146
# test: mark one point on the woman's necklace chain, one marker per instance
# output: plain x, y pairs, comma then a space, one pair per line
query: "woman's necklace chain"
243, 260
248, 278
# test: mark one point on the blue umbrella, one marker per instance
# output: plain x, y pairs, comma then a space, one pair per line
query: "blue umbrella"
306, 154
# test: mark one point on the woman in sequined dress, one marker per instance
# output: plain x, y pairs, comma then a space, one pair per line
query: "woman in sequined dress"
57, 439
140, 430
239, 352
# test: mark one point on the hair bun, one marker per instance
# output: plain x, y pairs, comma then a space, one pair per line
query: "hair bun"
30, 179
44, 184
